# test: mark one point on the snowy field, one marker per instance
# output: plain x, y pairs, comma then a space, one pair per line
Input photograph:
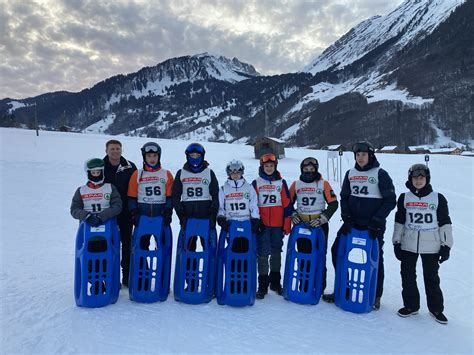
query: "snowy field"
38, 315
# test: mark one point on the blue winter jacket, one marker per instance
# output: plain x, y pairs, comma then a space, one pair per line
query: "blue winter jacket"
364, 211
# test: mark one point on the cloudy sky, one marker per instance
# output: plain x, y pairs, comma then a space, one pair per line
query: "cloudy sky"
72, 44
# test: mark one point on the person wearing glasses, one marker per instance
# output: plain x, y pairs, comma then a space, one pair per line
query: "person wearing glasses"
238, 201
275, 211
118, 172
195, 190
367, 198
149, 190
422, 228
316, 202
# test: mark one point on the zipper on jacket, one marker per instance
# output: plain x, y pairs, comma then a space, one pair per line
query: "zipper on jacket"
418, 243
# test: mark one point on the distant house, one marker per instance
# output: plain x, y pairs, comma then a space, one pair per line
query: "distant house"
468, 153
335, 147
65, 128
419, 149
266, 145
392, 149
449, 151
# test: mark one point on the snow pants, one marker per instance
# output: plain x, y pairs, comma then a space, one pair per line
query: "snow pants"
410, 294
125, 226
269, 243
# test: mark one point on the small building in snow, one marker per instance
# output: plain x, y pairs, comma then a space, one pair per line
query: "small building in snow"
266, 145
392, 149
449, 151
335, 147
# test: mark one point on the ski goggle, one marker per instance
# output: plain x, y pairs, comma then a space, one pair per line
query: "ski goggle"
195, 148
151, 149
361, 147
418, 170
233, 168
268, 158
309, 161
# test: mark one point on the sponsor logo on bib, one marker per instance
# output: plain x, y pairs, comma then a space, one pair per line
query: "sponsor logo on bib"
372, 180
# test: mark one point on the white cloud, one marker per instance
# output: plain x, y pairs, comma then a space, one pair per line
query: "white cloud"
70, 45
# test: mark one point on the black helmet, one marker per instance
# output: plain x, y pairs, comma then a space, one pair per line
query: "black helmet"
419, 170
364, 147
151, 147
309, 161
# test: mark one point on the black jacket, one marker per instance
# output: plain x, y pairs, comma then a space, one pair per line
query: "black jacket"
195, 209
365, 211
119, 176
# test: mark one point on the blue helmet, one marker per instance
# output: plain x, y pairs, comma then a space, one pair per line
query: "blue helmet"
195, 163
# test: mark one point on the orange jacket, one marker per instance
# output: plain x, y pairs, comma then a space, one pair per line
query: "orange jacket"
277, 216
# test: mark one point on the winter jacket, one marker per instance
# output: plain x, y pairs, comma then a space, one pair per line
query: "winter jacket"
77, 205
274, 216
326, 196
238, 189
363, 211
137, 196
119, 176
195, 209
417, 227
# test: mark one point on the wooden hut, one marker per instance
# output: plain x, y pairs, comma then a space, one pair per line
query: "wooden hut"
266, 145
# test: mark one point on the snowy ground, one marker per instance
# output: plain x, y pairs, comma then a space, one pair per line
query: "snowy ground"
38, 313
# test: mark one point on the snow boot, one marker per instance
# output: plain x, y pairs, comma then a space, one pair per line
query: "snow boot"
328, 297
439, 317
263, 281
377, 304
406, 312
275, 285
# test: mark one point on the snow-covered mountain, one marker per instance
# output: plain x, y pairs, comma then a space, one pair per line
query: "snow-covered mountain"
399, 79
412, 21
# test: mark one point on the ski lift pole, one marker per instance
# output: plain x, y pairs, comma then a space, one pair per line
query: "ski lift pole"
340, 165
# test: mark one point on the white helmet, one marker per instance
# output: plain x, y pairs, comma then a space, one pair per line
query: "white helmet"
234, 165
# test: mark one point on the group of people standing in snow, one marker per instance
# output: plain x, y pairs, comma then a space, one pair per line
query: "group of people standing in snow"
422, 222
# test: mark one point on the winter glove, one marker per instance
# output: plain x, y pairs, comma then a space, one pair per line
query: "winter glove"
94, 220
397, 249
375, 228
345, 228
317, 222
444, 253
256, 225
223, 223
167, 217
295, 218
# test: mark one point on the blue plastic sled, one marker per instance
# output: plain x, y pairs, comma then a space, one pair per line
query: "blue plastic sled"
194, 275
356, 272
150, 268
236, 265
97, 266
303, 278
